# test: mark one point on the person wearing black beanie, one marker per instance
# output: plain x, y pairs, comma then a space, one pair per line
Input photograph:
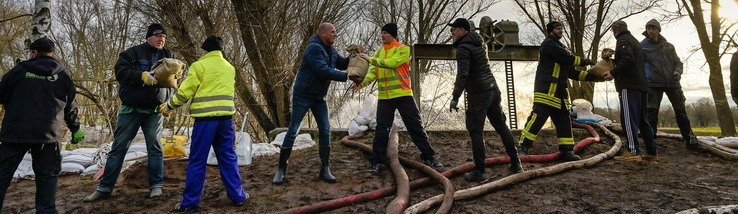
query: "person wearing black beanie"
212, 43
391, 29
155, 29
390, 67
552, 25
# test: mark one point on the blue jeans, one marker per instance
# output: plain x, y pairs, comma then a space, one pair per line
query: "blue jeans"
300, 106
125, 130
218, 134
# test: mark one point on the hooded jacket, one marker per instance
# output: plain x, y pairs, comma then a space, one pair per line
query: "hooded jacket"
629, 71
555, 67
473, 73
661, 62
38, 96
131, 64
317, 69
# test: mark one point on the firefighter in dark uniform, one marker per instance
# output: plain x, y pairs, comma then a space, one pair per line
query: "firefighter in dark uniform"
551, 97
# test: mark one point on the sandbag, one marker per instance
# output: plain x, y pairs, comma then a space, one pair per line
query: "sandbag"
173, 146
71, 168
358, 66
167, 71
78, 159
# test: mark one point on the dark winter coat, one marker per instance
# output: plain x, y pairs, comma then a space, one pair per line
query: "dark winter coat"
555, 67
662, 62
629, 71
38, 96
473, 73
317, 69
131, 64
734, 76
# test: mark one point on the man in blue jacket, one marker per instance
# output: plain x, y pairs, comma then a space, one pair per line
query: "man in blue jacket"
38, 96
630, 81
317, 70
664, 70
140, 97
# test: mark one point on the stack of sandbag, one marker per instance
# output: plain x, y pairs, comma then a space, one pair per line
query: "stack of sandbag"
357, 67
367, 118
581, 112
301, 141
167, 71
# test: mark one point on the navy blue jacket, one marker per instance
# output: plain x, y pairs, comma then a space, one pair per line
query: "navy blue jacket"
662, 62
317, 69
131, 64
38, 96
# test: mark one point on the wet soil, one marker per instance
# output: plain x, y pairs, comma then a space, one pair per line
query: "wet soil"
680, 180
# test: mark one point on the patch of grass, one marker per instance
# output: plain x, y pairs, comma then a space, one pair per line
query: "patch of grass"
70, 146
699, 131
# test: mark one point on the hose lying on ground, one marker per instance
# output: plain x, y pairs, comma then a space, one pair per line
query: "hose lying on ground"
516, 178
422, 182
402, 197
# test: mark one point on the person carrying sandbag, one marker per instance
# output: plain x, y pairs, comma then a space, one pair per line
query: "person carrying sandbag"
210, 86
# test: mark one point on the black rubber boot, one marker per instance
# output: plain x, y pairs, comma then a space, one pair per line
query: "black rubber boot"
280, 176
515, 165
567, 154
325, 172
475, 175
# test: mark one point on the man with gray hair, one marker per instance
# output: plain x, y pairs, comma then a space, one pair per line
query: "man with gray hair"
630, 82
664, 70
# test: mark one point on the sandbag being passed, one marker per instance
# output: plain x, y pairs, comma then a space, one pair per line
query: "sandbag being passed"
357, 67
167, 71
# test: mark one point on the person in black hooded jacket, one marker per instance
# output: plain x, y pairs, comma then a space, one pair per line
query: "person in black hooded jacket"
483, 96
630, 81
38, 96
551, 96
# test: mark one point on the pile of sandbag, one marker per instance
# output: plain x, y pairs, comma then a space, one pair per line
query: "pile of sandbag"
367, 118
263, 149
581, 112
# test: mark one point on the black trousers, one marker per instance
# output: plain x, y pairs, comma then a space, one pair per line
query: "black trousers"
676, 97
486, 105
410, 116
536, 120
46, 165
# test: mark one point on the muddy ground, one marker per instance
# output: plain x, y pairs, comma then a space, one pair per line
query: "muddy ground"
681, 180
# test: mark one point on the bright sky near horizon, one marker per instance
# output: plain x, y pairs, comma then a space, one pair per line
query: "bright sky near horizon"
681, 33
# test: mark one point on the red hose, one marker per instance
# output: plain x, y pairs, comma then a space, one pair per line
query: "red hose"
422, 182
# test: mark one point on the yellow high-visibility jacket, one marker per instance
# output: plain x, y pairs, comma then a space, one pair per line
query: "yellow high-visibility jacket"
210, 85
390, 66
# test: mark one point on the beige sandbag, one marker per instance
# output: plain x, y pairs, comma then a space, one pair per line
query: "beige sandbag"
167, 71
605, 64
357, 66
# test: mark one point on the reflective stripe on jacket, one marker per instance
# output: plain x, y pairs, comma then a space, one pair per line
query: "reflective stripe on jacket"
390, 67
555, 67
210, 85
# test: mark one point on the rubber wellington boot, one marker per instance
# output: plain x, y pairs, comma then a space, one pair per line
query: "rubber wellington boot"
325, 173
280, 176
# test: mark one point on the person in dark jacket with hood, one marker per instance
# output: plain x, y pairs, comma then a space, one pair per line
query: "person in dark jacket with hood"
630, 81
551, 96
140, 97
483, 96
38, 96
317, 69
664, 70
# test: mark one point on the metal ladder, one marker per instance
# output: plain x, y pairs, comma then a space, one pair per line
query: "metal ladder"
512, 113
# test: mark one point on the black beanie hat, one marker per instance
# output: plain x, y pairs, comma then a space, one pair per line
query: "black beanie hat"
154, 29
42, 45
212, 43
552, 25
390, 28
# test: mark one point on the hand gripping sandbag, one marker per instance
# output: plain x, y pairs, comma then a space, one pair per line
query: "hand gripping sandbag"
357, 66
167, 71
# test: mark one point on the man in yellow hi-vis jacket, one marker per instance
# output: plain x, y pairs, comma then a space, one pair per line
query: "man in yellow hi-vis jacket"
210, 88
390, 67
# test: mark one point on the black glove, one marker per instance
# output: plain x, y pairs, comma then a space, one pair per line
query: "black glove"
586, 62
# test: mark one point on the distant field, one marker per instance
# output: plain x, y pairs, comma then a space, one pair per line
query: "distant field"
699, 131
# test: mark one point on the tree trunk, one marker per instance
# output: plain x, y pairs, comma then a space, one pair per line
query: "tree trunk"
41, 19
711, 51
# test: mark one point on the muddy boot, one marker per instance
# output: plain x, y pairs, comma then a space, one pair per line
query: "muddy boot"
515, 165
280, 176
523, 149
325, 172
475, 175
567, 154
95, 196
